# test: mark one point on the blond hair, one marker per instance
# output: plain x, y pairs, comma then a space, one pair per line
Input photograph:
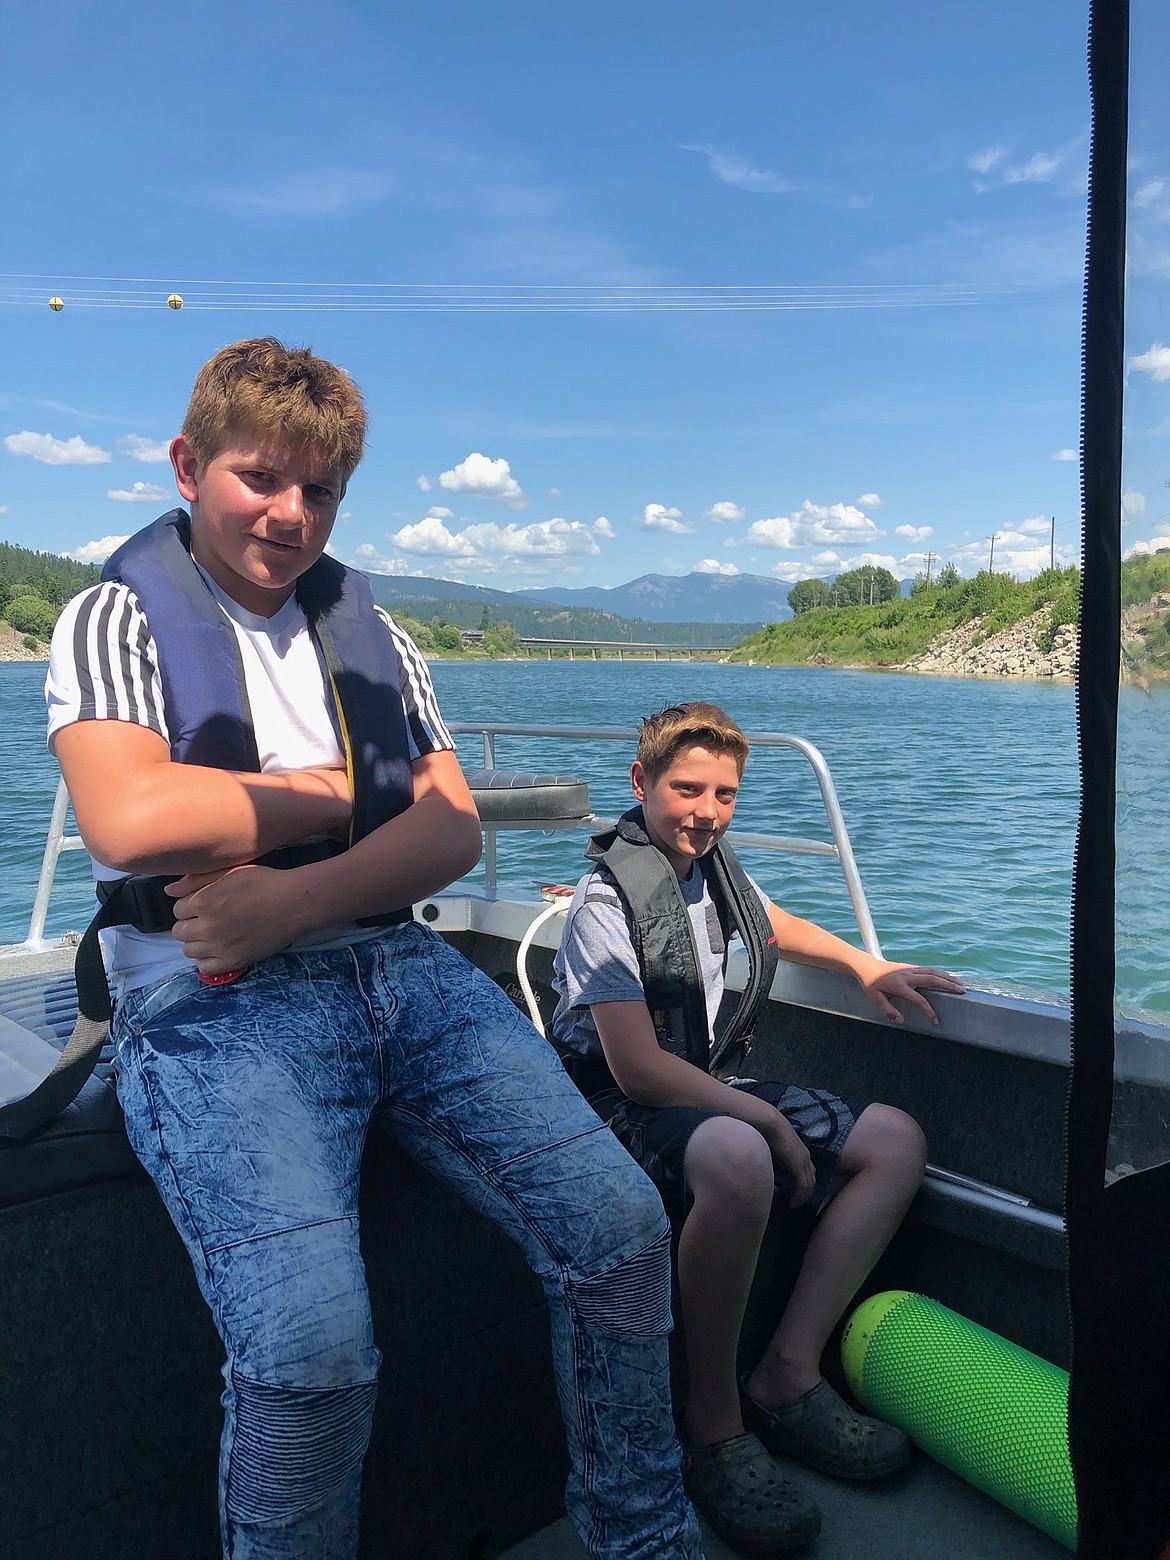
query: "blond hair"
664, 736
263, 390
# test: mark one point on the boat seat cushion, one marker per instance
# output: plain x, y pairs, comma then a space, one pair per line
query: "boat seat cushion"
520, 796
87, 1142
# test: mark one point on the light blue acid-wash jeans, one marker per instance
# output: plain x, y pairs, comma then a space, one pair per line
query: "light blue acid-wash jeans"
249, 1105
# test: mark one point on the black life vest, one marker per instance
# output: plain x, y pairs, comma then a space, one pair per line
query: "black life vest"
664, 942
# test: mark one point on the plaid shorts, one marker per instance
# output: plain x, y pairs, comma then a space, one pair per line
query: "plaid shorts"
657, 1136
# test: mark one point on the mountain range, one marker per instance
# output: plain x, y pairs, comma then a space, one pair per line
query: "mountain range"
740, 599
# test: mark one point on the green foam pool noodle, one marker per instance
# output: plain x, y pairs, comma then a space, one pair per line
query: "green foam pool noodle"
985, 1408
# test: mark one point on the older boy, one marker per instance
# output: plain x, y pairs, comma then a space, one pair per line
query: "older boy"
241, 727
640, 969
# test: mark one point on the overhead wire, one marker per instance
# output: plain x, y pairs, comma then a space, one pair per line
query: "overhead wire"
105, 292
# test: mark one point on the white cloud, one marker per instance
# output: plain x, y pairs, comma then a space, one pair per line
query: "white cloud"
1155, 544
366, 550
56, 452
554, 492
776, 531
150, 451
724, 513
790, 571
1147, 193
324, 192
96, 552
984, 162
1155, 362
731, 168
1040, 168
657, 517
431, 538
713, 566
484, 478
425, 483
1133, 502
1065, 454
543, 539
869, 501
1063, 167
815, 525
439, 512
139, 493
872, 560
914, 533
1022, 550
3, 509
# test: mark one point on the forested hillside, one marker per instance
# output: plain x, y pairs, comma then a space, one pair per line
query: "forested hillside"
557, 622
34, 586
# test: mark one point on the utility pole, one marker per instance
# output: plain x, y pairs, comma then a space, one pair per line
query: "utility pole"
991, 560
929, 560
1052, 545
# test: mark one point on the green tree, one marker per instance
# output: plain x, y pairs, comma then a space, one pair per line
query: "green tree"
948, 576
485, 619
446, 635
31, 615
866, 586
502, 639
807, 594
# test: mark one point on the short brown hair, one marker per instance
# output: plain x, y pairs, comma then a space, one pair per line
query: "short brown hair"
698, 724
263, 389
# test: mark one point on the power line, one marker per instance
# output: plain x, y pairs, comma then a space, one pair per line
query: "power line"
28, 289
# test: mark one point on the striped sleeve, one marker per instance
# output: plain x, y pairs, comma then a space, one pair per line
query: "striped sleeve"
427, 730
103, 663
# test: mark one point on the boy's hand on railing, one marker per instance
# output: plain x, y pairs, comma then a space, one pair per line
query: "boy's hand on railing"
906, 983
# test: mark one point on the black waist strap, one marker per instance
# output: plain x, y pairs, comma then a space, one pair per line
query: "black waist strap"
143, 903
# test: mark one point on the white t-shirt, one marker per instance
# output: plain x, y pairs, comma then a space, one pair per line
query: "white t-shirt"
103, 665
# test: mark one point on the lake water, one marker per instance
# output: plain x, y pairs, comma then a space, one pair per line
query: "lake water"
960, 798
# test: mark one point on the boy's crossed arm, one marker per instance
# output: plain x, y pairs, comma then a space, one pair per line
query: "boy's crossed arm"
139, 812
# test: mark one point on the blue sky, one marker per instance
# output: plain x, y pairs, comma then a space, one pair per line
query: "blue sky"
629, 288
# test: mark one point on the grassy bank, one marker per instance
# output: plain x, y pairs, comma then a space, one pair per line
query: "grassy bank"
894, 632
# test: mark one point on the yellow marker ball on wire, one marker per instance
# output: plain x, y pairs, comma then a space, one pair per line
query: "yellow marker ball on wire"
56, 304
174, 301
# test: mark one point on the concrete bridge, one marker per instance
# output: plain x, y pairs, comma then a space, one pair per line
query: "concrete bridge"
596, 649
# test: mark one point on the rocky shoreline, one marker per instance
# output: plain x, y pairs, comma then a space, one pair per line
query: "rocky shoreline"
12, 646
1011, 653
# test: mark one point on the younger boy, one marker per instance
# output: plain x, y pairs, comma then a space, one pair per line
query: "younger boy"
245, 732
640, 969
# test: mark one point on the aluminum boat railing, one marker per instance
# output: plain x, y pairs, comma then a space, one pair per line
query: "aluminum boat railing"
839, 848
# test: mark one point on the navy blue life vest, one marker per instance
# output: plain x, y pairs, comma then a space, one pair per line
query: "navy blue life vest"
204, 693
664, 941
210, 724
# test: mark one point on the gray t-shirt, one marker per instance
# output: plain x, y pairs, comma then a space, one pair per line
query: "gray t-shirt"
596, 961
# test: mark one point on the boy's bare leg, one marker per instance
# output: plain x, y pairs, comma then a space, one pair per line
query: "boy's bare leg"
730, 1174
884, 1158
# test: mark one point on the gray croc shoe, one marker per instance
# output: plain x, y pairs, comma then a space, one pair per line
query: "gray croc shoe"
823, 1432
746, 1499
